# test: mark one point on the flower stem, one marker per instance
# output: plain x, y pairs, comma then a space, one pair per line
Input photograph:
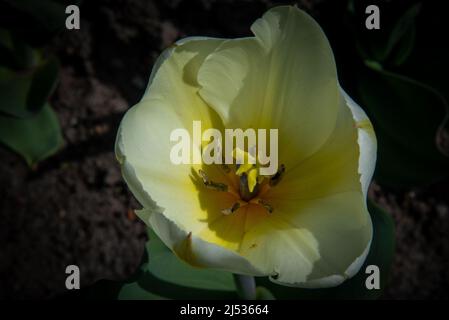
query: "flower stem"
246, 286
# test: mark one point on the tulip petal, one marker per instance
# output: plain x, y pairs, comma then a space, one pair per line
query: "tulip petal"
284, 79
143, 143
342, 229
332, 169
326, 195
280, 249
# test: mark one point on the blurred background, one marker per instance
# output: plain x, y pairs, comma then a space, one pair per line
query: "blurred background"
63, 93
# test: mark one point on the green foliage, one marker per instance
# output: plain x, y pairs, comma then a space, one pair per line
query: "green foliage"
402, 38
15, 54
34, 138
394, 41
28, 125
263, 293
403, 89
406, 116
28, 77
166, 276
24, 94
166, 267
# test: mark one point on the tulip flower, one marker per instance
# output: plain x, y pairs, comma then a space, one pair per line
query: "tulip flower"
308, 224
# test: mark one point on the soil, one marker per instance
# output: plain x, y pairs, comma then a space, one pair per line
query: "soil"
74, 207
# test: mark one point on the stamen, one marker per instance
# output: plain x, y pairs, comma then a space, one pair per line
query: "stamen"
232, 209
218, 186
264, 204
278, 176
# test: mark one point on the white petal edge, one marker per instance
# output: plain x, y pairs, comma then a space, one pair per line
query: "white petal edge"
336, 279
367, 142
166, 54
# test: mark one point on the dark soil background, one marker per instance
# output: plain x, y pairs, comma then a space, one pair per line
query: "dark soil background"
74, 207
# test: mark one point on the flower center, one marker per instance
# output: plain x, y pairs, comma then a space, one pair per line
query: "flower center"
251, 186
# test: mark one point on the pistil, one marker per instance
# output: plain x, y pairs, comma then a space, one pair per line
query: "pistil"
245, 194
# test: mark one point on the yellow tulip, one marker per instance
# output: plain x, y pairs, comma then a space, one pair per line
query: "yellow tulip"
307, 226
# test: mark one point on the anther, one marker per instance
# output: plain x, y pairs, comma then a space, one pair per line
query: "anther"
218, 186
232, 209
274, 180
267, 206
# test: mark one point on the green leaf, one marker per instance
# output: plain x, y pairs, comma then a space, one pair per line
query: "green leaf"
133, 291
381, 254
16, 54
14, 89
402, 38
406, 116
166, 276
24, 94
43, 83
7, 57
263, 293
393, 42
165, 266
34, 138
